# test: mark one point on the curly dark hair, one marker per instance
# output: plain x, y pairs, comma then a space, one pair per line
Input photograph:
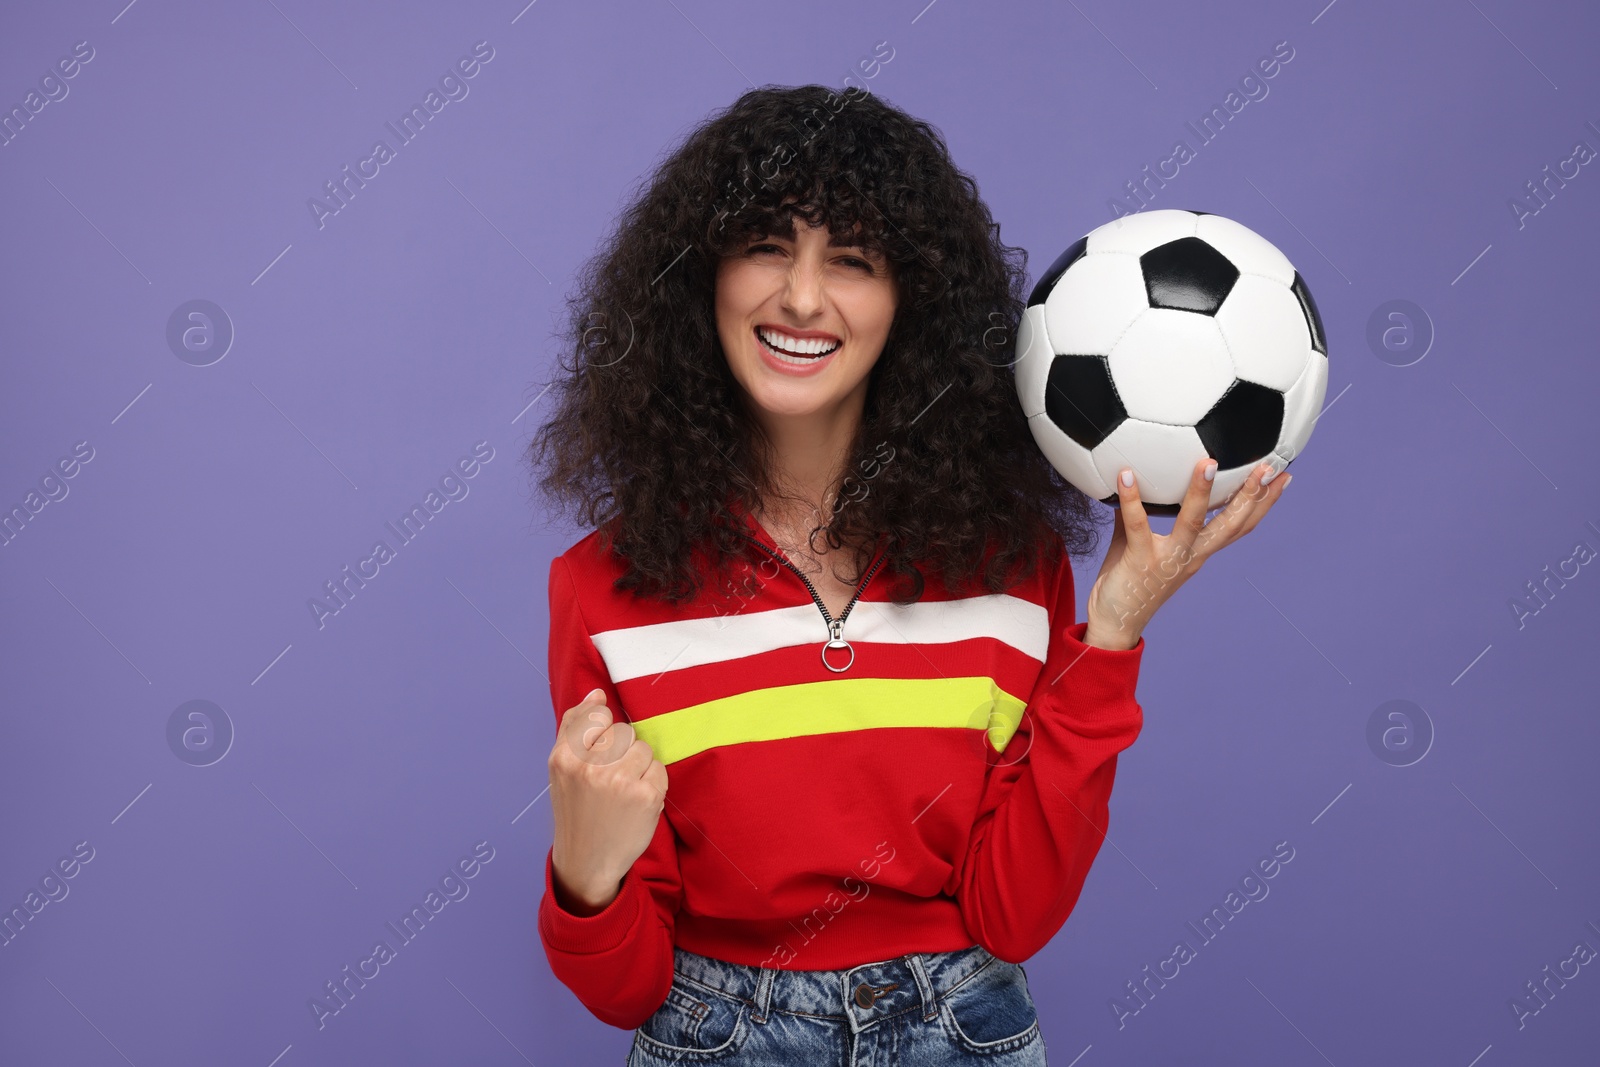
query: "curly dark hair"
651, 432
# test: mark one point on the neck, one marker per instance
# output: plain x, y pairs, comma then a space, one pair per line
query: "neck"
809, 456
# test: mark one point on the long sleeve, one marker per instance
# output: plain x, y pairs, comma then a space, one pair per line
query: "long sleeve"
1045, 806
618, 962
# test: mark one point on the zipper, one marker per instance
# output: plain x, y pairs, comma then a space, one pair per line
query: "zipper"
835, 626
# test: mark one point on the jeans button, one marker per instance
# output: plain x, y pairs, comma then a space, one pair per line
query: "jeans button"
868, 995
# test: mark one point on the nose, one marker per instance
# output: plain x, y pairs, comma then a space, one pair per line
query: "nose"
803, 292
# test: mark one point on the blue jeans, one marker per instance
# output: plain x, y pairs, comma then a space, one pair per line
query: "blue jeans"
920, 1010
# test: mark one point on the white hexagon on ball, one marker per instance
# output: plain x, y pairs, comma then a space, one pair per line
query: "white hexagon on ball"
1265, 331
1302, 406
1093, 304
1147, 374
1068, 457
1034, 355
1162, 457
1246, 249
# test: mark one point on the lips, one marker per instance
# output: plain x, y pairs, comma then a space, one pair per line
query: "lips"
791, 363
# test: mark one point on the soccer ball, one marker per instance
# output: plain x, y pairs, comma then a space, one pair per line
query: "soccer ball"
1164, 337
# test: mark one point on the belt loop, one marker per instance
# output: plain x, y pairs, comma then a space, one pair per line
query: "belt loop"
930, 1000
763, 994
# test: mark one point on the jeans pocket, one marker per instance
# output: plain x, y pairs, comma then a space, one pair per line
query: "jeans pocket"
695, 1024
992, 1012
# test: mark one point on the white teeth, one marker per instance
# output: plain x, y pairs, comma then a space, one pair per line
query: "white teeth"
784, 357
783, 343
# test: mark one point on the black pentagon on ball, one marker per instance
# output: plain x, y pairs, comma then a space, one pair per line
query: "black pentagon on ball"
1188, 275
1081, 400
1309, 307
1243, 426
1048, 280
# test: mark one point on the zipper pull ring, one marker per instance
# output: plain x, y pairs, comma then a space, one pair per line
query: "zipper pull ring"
835, 627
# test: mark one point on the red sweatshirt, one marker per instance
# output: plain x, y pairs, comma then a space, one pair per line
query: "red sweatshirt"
948, 786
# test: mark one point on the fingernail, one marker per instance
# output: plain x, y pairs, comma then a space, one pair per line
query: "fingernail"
1271, 474
1287, 478
1211, 470
1127, 478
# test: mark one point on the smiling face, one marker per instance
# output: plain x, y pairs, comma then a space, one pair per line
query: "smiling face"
802, 322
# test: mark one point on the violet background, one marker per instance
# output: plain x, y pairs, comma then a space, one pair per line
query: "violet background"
372, 353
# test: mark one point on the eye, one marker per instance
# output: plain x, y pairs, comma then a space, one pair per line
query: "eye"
858, 262
764, 246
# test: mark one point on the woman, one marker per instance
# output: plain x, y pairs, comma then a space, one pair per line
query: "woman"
827, 595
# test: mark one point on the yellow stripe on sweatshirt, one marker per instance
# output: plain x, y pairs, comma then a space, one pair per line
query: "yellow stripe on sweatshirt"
839, 705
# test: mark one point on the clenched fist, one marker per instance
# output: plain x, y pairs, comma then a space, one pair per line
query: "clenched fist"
607, 790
